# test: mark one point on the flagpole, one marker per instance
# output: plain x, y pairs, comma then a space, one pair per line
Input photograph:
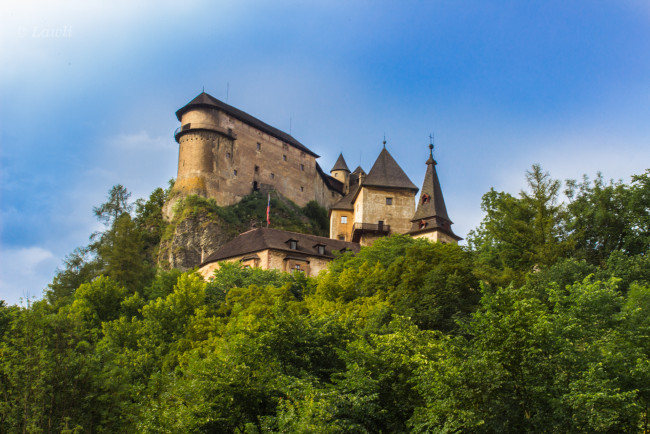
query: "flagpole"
268, 210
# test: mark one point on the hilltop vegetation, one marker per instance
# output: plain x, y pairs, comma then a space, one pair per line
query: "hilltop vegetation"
541, 324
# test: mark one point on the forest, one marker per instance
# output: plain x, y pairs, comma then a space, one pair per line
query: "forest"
540, 324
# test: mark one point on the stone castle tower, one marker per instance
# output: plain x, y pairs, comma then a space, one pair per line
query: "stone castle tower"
225, 154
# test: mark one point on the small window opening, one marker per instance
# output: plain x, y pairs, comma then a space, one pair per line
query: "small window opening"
257, 169
423, 224
302, 188
259, 146
426, 198
302, 167
228, 155
321, 250
342, 237
344, 219
284, 157
255, 187
234, 172
297, 267
272, 175
293, 244
389, 201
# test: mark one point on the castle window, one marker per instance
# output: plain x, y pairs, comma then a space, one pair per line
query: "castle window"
344, 219
425, 198
320, 248
302, 188
293, 244
423, 224
259, 146
284, 157
342, 237
302, 167
255, 187
228, 155
389, 201
297, 267
272, 175
234, 172
257, 169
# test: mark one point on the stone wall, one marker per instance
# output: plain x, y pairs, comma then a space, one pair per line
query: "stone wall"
225, 159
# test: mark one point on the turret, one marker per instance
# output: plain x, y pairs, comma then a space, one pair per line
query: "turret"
341, 172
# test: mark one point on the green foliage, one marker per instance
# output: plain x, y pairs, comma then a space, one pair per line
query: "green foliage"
116, 205
398, 338
521, 234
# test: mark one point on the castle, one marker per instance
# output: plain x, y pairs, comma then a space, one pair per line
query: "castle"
225, 154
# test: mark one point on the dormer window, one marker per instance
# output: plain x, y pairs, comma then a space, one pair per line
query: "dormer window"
426, 198
293, 244
320, 248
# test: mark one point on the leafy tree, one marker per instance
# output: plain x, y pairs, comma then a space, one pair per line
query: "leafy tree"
521, 234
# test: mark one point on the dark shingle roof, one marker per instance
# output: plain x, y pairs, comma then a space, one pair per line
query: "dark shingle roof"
331, 182
347, 201
261, 239
387, 173
340, 164
431, 206
205, 100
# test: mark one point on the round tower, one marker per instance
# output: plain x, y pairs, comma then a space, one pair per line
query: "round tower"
203, 143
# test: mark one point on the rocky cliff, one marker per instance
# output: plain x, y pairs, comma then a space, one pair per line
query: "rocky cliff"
199, 227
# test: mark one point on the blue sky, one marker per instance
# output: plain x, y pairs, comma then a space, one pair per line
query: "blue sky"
88, 91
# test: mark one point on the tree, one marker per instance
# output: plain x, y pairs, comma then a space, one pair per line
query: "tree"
521, 234
116, 205
123, 256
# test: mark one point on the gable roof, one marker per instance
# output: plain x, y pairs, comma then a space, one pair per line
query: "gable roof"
205, 100
260, 239
387, 173
340, 164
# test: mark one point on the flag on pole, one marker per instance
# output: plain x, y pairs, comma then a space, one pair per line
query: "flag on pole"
268, 211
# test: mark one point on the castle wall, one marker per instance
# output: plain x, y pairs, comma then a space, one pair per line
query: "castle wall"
229, 160
372, 208
338, 228
436, 237
271, 259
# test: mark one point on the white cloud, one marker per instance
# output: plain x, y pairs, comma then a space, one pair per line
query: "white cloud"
25, 272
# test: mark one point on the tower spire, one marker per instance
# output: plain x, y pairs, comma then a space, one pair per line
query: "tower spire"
431, 219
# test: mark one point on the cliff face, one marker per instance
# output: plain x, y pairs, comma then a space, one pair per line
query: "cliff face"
199, 227
191, 240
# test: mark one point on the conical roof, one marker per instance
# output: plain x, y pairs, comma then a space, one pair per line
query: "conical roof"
340, 164
431, 207
206, 100
387, 173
